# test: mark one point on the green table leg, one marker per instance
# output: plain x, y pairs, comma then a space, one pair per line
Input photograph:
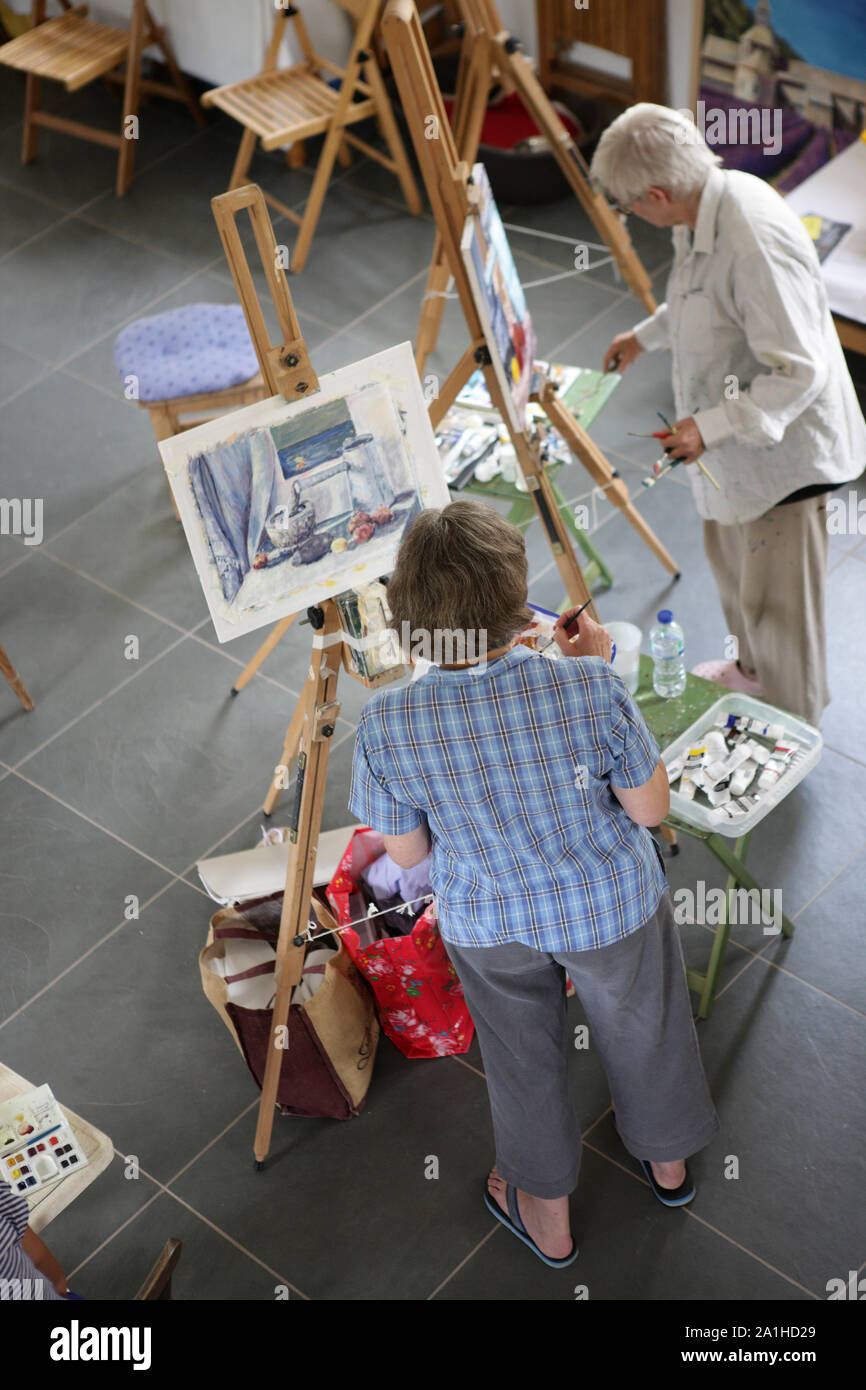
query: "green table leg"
522, 512
733, 859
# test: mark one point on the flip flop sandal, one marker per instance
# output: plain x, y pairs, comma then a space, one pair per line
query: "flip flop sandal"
670, 1196
517, 1228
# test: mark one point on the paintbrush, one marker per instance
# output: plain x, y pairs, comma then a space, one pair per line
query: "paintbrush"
702, 466
569, 628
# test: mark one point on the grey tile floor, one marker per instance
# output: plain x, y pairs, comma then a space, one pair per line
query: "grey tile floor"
127, 772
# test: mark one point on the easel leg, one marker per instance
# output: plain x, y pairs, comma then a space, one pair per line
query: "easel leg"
263, 652
320, 690
290, 747
391, 135
164, 427
12, 676
242, 159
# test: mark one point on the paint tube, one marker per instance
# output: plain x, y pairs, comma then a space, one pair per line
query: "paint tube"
717, 796
773, 731
717, 772
675, 768
771, 774
687, 788
786, 753
714, 742
743, 776
758, 753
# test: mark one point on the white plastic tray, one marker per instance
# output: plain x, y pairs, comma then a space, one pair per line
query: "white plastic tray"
735, 703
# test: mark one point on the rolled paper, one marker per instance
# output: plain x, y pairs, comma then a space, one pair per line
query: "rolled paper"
759, 753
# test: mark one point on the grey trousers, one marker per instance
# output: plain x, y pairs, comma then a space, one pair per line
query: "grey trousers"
636, 1001
771, 575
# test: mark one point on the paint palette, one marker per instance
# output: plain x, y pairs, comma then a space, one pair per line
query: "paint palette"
37, 1146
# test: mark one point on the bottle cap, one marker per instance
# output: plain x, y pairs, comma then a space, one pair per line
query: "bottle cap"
665, 616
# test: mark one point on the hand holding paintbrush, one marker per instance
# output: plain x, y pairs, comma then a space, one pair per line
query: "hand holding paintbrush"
686, 445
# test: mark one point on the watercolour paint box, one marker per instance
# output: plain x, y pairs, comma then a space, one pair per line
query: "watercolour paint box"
37, 1146
734, 703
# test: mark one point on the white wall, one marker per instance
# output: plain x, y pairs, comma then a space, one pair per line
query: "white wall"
224, 40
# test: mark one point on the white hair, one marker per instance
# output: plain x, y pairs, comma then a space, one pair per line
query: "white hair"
652, 146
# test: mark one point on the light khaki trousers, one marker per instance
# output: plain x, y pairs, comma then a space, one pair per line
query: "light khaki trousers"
772, 579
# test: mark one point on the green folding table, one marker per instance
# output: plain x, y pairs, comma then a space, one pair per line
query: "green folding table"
666, 720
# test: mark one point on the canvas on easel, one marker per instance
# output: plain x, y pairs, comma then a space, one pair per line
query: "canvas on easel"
297, 394
285, 504
463, 206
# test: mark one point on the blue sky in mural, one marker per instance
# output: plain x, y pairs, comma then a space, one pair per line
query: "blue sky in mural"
827, 35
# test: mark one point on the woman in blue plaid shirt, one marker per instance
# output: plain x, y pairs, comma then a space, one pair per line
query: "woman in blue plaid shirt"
534, 781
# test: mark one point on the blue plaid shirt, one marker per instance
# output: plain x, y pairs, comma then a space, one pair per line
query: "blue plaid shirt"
510, 766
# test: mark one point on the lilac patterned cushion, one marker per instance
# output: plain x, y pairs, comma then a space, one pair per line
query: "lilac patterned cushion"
201, 347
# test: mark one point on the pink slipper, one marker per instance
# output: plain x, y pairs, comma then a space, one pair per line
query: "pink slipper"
728, 674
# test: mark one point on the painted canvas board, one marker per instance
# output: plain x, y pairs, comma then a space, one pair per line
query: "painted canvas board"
781, 86
284, 505
500, 300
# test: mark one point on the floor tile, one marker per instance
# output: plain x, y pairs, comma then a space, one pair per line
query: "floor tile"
210, 1268
826, 949
133, 543
64, 885
112, 280
630, 1248
44, 430
23, 217
779, 1059
18, 370
168, 1076
168, 207
412, 1230
69, 637
170, 762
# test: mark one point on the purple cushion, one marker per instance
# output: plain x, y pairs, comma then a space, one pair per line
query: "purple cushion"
201, 347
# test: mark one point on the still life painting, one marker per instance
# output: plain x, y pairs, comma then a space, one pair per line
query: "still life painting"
286, 504
499, 299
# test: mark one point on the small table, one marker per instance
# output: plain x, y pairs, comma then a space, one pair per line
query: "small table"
586, 397
49, 1201
666, 720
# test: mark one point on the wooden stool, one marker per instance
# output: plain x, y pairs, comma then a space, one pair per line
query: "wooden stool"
196, 361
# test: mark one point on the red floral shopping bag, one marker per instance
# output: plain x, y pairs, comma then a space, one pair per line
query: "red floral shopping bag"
418, 995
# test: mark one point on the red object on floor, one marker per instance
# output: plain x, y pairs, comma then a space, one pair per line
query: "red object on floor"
508, 122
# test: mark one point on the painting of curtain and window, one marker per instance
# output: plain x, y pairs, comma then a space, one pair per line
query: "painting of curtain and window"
284, 505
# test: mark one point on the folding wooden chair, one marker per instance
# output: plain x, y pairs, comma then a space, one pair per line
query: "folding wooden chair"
282, 107
75, 51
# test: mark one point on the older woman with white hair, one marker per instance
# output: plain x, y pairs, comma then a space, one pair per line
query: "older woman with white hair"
761, 387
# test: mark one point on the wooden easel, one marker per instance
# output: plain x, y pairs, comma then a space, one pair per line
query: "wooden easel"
490, 53
287, 371
453, 199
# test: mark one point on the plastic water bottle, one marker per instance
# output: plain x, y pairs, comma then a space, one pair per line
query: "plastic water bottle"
666, 645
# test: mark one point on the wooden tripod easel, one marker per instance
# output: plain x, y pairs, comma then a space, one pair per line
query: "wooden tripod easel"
453, 199
489, 52
287, 371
